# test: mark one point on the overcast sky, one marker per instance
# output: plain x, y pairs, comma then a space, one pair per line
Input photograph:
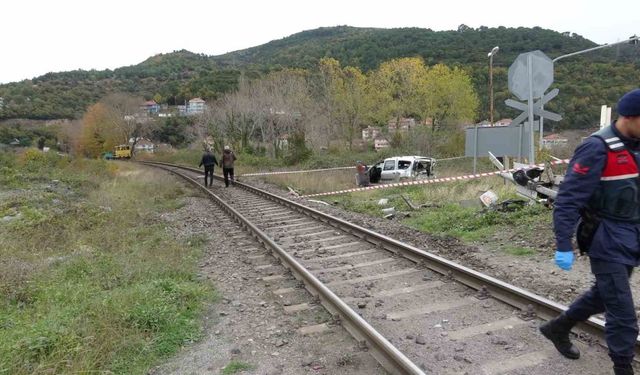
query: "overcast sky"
40, 36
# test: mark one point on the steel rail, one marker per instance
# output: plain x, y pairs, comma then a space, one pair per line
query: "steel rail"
382, 350
529, 303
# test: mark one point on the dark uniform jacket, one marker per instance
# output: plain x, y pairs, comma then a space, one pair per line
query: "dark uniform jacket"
614, 241
208, 160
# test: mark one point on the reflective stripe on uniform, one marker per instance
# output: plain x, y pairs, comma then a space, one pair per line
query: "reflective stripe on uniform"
621, 177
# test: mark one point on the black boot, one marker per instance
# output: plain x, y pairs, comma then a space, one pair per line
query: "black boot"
557, 330
622, 370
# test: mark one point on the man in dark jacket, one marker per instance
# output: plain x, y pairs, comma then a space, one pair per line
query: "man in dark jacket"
209, 161
228, 158
601, 193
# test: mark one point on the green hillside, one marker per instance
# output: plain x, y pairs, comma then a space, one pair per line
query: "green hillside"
585, 81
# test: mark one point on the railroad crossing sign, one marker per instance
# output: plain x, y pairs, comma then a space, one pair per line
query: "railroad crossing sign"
530, 76
541, 75
537, 108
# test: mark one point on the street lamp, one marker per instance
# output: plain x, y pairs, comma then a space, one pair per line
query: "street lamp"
475, 149
490, 55
634, 40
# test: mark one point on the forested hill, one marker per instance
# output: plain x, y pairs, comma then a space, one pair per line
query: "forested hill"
367, 47
585, 81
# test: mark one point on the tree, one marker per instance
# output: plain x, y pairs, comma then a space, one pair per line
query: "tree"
128, 126
451, 98
282, 105
398, 89
353, 103
326, 85
94, 138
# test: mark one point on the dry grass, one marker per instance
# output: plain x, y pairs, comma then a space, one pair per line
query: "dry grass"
90, 281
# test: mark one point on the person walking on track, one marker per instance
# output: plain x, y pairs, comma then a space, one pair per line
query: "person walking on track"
228, 158
209, 161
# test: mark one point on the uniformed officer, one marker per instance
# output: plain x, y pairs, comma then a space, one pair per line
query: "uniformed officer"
601, 193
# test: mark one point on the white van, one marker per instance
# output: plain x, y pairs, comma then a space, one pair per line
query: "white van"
402, 167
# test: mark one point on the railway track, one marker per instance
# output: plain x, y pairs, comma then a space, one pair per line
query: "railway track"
416, 313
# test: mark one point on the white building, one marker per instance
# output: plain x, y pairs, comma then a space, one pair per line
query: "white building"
554, 140
370, 133
196, 106
380, 143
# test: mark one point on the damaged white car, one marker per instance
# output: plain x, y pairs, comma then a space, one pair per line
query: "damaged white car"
402, 168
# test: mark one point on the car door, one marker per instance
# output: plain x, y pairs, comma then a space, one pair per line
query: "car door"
388, 170
375, 171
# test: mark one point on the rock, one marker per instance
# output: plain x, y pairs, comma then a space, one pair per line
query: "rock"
440, 357
362, 305
409, 337
497, 340
280, 343
308, 361
235, 351
420, 340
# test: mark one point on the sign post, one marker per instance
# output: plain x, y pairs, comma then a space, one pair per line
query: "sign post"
530, 76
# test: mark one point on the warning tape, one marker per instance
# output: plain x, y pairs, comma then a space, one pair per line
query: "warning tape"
300, 171
433, 181
322, 169
454, 158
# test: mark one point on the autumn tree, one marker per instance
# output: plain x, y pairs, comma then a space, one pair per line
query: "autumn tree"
450, 99
398, 88
95, 136
354, 103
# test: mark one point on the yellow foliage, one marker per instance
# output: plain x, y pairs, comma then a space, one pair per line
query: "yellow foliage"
32, 155
97, 131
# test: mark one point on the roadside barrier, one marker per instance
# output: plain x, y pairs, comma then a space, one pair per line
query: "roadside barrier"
431, 181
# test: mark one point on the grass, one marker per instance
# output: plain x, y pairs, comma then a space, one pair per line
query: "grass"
90, 281
518, 250
234, 367
445, 214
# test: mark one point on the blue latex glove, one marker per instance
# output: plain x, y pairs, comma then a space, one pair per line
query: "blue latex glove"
564, 259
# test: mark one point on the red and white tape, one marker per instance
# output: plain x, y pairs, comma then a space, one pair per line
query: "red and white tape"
432, 181
290, 172
322, 169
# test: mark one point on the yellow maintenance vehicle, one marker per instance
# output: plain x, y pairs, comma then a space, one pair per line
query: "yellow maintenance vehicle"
122, 152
